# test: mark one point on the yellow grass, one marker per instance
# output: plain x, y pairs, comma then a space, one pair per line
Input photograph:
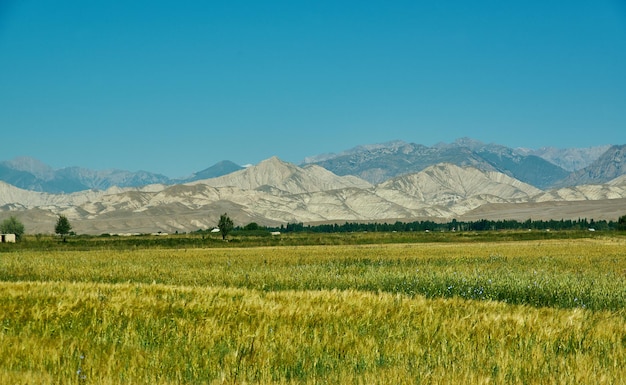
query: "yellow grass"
272, 315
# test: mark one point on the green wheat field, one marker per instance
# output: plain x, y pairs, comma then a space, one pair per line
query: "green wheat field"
513, 312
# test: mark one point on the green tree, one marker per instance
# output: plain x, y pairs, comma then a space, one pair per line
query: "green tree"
12, 225
63, 227
621, 223
225, 225
253, 226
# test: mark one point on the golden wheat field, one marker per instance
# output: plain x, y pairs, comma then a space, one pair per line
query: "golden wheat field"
531, 312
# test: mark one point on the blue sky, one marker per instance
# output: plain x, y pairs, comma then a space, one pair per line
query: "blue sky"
176, 86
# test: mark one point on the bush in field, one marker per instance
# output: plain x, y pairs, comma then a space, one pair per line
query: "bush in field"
12, 225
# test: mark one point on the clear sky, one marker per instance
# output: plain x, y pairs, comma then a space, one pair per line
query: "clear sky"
176, 86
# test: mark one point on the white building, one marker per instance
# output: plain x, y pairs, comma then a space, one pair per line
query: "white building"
7, 238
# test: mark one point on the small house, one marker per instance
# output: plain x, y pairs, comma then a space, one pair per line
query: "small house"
7, 238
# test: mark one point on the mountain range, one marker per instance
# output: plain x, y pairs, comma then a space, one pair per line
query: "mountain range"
274, 192
31, 174
466, 180
544, 168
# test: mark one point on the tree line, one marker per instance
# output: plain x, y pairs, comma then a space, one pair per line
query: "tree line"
454, 225
12, 225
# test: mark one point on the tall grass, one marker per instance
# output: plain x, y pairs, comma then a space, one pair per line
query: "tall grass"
585, 273
60, 333
498, 312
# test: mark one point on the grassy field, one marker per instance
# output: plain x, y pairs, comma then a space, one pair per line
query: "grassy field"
263, 238
540, 311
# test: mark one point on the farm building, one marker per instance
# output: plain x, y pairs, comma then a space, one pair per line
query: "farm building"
7, 238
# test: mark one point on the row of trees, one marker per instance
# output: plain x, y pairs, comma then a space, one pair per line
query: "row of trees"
454, 225
12, 225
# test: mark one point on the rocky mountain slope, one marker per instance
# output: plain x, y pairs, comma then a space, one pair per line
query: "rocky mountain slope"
447, 184
275, 192
570, 159
273, 174
379, 163
221, 168
610, 165
31, 174
375, 163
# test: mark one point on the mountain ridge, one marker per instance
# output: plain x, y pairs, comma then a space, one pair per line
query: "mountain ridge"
610, 165
274, 192
374, 163
570, 159
286, 177
377, 163
32, 174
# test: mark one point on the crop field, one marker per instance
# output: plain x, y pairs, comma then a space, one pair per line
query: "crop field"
516, 312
